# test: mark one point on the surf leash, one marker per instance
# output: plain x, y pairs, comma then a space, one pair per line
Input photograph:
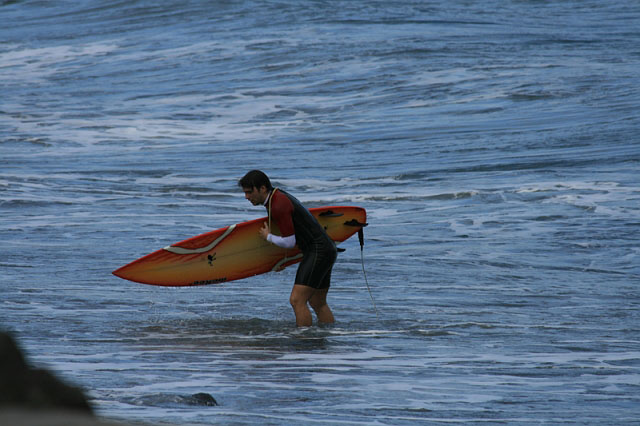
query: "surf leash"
354, 222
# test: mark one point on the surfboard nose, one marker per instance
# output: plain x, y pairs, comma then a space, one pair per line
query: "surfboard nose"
122, 272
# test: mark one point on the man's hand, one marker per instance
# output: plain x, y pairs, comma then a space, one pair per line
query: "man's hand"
264, 231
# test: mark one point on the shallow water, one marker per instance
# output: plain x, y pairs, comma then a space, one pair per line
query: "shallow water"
495, 147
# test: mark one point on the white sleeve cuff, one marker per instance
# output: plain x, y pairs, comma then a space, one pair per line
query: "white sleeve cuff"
284, 242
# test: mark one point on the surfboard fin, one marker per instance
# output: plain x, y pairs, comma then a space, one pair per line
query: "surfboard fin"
330, 213
354, 222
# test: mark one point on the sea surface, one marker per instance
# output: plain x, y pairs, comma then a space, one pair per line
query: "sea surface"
494, 144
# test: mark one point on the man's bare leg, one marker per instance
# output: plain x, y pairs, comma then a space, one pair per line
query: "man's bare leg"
318, 302
298, 299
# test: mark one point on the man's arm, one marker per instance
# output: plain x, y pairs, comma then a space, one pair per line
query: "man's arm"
284, 242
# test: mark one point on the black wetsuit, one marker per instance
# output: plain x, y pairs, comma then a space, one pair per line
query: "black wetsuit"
318, 249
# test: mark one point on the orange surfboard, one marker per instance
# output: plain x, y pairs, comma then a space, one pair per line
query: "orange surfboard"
234, 252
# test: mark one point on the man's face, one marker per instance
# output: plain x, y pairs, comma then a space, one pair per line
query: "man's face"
257, 196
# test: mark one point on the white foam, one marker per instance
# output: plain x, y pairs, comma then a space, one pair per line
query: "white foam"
22, 65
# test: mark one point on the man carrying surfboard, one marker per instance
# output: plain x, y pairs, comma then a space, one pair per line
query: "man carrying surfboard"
297, 226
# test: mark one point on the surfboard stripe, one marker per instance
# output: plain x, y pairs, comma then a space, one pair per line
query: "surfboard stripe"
180, 250
284, 260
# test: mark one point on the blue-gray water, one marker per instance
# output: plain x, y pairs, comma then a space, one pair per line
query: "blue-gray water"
495, 145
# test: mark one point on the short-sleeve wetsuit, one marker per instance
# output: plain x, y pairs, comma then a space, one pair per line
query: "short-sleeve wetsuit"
318, 249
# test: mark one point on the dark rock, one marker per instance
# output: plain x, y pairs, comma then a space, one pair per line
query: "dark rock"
203, 399
23, 386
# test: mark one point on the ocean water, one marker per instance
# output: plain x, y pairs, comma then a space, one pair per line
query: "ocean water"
494, 144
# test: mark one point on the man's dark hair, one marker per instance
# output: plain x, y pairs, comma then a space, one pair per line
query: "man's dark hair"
255, 179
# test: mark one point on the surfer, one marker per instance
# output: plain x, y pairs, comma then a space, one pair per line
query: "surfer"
297, 226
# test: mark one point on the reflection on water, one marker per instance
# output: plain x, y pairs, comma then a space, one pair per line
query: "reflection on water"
255, 335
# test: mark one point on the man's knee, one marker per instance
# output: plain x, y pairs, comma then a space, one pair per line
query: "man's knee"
296, 300
318, 300
300, 295
317, 304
